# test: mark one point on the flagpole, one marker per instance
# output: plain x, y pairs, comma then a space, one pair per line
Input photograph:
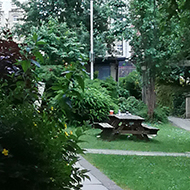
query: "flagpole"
91, 42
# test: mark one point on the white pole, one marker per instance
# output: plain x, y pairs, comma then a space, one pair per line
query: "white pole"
91, 41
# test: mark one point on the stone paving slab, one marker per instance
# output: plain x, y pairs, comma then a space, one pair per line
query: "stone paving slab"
179, 122
92, 181
131, 153
94, 187
99, 181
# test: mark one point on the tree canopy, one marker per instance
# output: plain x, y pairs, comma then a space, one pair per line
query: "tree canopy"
160, 42
76, 15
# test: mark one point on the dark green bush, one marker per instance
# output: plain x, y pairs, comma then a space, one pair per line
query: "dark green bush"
94, 105
41, 155
137, 107
123, 92
36, 151
179, 99
172, 97
111, 85
108, 85
131, 83
132, 105
164, 95
161, 114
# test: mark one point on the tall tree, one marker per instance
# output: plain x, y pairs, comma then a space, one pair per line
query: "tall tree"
160, 42
145, 45
76, 14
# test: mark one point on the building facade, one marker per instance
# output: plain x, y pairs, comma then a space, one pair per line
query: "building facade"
10, 14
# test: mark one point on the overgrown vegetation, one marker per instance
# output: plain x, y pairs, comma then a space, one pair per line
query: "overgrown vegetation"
40, 153
133, 84
172, 98
36, 150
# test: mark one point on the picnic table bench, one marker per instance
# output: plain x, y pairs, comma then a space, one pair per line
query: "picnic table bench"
126, 124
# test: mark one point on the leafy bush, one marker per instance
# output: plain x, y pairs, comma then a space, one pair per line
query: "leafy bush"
173, 98
131, 83
61, 44
50, 75
41, 155
109, 86
132, 105
123, 92
137, 107
161, 114
164, 95
179, 99
17, 69
93, 105
36, 151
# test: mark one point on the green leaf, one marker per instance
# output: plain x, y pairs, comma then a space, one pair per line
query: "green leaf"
41, 42
68, 75
25, 65
35, 37
39, 56
80, 81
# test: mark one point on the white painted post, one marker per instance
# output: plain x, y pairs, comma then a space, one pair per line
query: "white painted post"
91, 42
188, 106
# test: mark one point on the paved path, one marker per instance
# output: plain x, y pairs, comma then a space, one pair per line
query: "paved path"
179, 122
98, 181
101, 182
137, 153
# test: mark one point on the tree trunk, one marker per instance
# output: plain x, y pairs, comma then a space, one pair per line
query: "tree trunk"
151, 97
144, 86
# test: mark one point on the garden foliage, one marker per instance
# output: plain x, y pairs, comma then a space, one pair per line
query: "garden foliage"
37, 152
41, 154
17, 66
94, 105
132, 83
133, 105
61, 44
173, 98
89, 101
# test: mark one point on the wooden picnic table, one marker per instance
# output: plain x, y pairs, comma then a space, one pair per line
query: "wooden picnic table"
126, 124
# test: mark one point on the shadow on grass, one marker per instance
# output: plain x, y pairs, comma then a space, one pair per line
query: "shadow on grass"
126, 137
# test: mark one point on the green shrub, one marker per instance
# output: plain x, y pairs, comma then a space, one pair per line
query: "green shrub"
179, 99
173, 98
41, 155
137, 107
35, 150
164, 95
161, 114
108, 86
111, 85
94, 105
132, 105
49, 73
123, 92
131, 83
61, 43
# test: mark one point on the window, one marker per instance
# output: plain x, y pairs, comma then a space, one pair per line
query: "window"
15, 18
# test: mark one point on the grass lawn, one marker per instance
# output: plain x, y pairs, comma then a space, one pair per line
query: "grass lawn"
169, 139
144, 173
